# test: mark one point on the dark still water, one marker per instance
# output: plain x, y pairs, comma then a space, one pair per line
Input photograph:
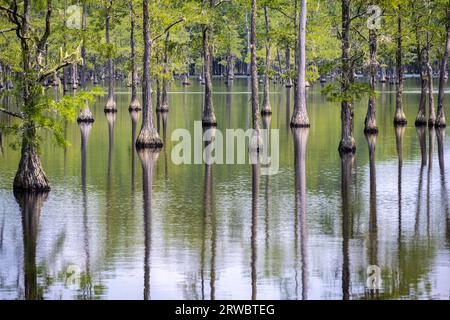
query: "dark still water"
118, 225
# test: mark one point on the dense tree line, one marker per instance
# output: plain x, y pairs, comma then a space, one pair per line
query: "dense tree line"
150, 43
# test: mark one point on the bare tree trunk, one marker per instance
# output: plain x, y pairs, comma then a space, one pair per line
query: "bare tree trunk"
85, 114
421, 118
266, 110
300, 116
254, 81
370, 123
399, 118
110, 103
74, 76
247, 29
165, 83
347, 144
431, 111
209, 118
65, 69
148, 137
30, 175
288, 67
440, 121
383, 75
134, 104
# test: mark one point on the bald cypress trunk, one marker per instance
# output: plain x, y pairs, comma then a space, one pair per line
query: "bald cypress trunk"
370, 123
85, 114
208, 118
254, 81
110, 103
347, 144
399, 118
431, 111
148, 137
134, 104
266, 109
440, 121
421, 118
164, 107
300, 116
30, 175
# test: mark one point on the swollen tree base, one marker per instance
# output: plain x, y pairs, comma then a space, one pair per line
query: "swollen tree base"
300, 121
440, 122
85, 116
149, 139
370, 125
134, 105
30, 175
347, 145
421, 119
110, 105
266, 110
209, 121
163, 108
400, 119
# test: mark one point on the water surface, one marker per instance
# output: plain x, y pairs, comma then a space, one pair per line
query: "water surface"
122, 225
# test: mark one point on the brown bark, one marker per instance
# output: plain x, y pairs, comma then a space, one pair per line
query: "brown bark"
134, 104
209, 117
110, 103
30, 175
370, 123
85, 114
266, 109
431, 110
440, 121
399, 118
300, 115
347, 143
148, 137
421, 118
254, 81
164, 107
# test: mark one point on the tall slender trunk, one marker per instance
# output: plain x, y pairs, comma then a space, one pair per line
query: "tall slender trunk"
431, 110
440, 121
288, 67
65, 73
370, 123
254, 81
83, 69
347, 144
111, 103
134, 104
399, 118
74, 76
421, 118
85, 114
300, 115
266, 102
165, 83
148, 137
247, 30
209, 117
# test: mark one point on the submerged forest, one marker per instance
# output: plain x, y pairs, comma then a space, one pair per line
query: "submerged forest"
93, 204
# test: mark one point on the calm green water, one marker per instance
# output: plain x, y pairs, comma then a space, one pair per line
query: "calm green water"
118, 227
